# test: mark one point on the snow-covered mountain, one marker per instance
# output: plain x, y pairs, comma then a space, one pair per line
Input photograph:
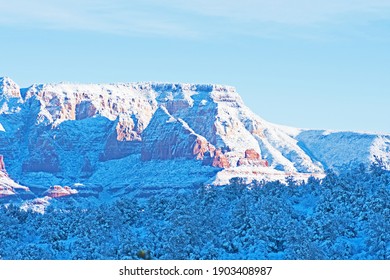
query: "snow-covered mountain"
114, 139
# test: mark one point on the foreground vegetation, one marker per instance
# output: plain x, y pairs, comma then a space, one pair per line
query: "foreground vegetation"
343, 216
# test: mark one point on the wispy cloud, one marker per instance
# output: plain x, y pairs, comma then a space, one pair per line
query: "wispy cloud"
186, 18
114, 16
301, 12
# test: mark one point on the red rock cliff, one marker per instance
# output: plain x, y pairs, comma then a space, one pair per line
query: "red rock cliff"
252, 158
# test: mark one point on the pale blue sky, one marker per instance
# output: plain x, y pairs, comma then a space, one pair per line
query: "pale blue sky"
311, 64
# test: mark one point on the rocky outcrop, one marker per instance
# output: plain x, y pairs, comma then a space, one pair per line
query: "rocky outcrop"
85, 109
121, 142
7, 185
168, 138
128, 128
58, 191
252, 158
62, 102
252, 154
9, 89
220, 160
10, 97
173, 106
201, 147
216, 159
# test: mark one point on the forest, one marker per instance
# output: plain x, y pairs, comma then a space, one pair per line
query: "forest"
346, 215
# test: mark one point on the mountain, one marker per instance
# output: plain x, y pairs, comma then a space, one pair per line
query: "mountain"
109, 140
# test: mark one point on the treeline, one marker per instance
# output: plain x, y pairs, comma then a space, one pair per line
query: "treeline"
343, 216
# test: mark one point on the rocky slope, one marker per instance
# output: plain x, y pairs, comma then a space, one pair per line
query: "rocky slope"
118, 138
7, 185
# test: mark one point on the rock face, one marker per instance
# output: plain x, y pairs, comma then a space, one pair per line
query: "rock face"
58, 191
7, 185
121, 141
202, 147
10, 97
220, 160
168, 138
9, 89
114, 134
71, 122
252, 158
84, 109
252, 154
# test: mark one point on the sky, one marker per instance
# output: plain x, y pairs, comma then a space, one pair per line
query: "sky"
321, 64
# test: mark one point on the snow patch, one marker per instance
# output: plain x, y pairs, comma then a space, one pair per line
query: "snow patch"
37, 205
380, 148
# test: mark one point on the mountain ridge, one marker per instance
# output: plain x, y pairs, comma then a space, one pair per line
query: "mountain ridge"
70, 133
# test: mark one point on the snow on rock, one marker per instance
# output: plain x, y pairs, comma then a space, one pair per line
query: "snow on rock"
218, 159
61, 102
214, 112
121, 140
380, 148
170, 138
10, 97
132, 175
202, 148
5, 190
118, 134
338, 148
9, 89
252, 154
252, 173
283, 152
252, 158
37, 205
7, 185
59, 191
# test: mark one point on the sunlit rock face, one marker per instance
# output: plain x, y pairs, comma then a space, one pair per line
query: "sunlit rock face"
9, 187
168, 138
252, 158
